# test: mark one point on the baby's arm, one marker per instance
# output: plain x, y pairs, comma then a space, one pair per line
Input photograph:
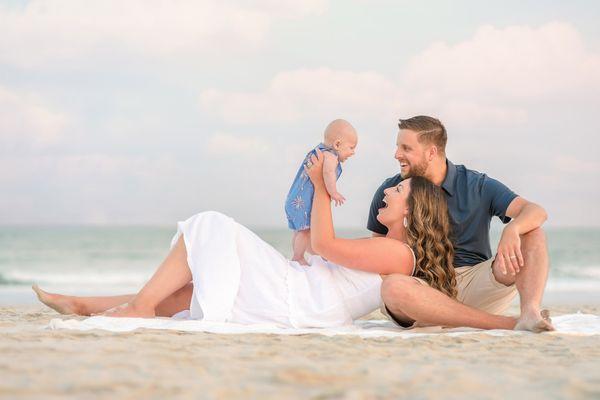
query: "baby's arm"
330, 163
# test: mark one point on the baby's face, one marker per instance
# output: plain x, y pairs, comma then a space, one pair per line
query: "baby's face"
346, 147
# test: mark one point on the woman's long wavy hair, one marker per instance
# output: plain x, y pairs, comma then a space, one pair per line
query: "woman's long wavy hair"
428, 234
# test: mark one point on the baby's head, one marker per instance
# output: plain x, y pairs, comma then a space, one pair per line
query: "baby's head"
342, 137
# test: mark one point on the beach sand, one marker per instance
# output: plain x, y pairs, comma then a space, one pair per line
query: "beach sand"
38, 363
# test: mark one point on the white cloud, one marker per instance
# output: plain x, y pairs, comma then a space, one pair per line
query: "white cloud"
91, 188
473, 113
296, 95
293, 9
568, 164
26, 120
517, 62
224, 144
102, 166
86, 169
500, 74
73, 32
496, 76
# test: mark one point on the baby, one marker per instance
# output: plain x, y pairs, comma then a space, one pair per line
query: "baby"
338, 145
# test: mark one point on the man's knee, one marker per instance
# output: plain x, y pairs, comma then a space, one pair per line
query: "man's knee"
534, 240
397, 290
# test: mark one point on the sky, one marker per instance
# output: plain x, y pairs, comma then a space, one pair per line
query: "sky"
145, 112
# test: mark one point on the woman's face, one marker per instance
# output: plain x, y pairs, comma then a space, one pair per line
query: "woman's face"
396, 204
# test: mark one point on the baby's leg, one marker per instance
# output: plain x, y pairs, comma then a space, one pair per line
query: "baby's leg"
309, 248
300, 242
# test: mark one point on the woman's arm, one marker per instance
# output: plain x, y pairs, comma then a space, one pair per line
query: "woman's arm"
380, 255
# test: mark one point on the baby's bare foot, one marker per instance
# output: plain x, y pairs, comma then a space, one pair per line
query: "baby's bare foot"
535, 322
301, 261
129, 310
58, 302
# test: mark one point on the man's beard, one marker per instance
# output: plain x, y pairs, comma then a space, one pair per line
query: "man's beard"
416, 170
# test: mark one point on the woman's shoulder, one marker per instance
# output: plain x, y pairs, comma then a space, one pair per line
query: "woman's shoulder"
414, 257
397, 256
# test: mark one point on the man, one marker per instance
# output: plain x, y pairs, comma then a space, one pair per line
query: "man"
486, 284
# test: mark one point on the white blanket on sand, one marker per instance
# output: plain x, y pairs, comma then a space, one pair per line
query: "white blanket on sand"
571, 324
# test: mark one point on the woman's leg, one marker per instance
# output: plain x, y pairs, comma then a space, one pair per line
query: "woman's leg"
79, 305
168, 290
176, 302
172, 275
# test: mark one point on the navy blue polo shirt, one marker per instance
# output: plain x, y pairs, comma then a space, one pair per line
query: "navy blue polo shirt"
473, 199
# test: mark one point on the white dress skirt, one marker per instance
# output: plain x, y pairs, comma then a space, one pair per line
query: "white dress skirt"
240, 278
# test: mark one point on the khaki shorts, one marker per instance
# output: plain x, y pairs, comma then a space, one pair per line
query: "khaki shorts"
477, 287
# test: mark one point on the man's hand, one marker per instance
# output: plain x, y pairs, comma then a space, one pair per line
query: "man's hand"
338, 198
508, 256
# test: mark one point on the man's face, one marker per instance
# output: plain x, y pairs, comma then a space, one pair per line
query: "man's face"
410, 154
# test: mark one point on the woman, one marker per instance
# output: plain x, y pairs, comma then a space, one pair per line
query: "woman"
221, 271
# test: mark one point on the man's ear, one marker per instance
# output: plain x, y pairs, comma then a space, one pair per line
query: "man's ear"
432, 152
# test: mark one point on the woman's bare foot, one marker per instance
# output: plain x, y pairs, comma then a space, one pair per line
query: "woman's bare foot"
129, 310
60, 303
535, 322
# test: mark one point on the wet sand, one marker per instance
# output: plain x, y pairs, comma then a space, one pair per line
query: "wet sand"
38, 363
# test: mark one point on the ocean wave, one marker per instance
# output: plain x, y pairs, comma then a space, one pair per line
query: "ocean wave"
591, 272
574, 272
17, 278
4, 281
567, 285
585, 277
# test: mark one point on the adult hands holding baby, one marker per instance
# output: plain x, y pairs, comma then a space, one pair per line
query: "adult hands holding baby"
314, 169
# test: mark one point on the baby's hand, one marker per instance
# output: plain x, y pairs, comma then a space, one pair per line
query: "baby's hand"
338, 198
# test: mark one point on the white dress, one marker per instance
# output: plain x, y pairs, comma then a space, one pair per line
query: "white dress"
240, 278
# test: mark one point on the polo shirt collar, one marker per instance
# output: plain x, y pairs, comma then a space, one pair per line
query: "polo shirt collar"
449, 183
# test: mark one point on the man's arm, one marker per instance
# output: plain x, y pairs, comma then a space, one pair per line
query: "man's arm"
527, 216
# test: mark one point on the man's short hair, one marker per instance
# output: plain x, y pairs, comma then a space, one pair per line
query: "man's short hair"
428, 129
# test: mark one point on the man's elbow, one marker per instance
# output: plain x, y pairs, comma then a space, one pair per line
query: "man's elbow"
542, 212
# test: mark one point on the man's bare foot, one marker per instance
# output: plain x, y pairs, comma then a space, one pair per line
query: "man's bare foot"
129, 310
58, 302
535, 322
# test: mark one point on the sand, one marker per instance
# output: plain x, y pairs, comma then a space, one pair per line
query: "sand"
37, 363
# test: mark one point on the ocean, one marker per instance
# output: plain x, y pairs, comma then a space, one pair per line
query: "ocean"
109, 260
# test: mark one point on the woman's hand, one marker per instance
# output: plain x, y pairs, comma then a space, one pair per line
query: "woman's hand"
314, 170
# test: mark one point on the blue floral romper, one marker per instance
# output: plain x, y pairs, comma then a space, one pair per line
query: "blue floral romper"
299, 199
